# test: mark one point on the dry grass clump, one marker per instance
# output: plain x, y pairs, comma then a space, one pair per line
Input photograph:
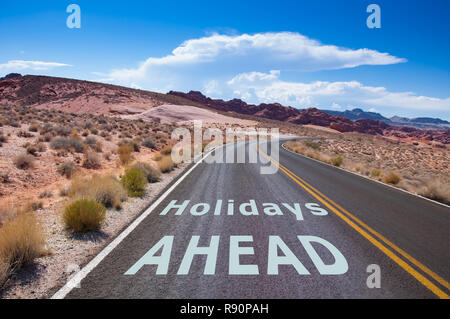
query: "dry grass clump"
166, 164
21, 241
375, 173
153, 174
336, 161
392, 179
24, 161
84, 215
124, 152
311, 144
436, 190
105, 190
92, 160
67, 144
134, 181
66, 169
167, 150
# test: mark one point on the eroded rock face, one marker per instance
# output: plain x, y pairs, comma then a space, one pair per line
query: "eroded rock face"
314, 116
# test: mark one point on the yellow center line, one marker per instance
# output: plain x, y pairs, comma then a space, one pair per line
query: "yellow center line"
427, 283
384, 239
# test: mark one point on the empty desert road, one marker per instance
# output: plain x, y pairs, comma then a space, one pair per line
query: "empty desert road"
308, 231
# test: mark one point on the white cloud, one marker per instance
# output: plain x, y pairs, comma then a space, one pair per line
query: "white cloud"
218, 54
255, 86
212, 88
19, 65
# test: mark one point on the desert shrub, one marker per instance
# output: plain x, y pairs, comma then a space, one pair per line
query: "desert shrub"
68, 144
3, 138
167, 150
106, 190
32, 150
63, 130
46, 194
153, 174
24, 134
4, 178
436, 190
33, 127
91, 160
24, 161
34, 206
84, 215
90, 140
313, 145
124, 152
134, 181
375, 173
337, 161
149, 143
134, 144
21, 241
66, 169
41, 147
392, 178
166, 164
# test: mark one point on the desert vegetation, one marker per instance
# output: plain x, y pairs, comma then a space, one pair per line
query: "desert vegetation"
418, 168
84, 215
22, 240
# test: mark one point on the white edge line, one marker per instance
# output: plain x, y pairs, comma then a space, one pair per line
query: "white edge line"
76, 279
368, 178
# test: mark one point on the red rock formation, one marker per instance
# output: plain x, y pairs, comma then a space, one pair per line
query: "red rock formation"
314, 116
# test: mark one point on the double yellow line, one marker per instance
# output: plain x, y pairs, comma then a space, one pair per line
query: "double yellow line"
370, 234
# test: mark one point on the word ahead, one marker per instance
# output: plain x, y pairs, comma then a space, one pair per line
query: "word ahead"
247, 209
274, 260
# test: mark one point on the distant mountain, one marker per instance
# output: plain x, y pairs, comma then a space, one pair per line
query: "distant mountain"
314, 116
426, 123
357, 114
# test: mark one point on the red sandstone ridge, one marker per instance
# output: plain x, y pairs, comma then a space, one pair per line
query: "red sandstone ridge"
314, 116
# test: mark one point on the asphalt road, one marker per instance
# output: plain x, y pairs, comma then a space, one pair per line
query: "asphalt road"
407, 237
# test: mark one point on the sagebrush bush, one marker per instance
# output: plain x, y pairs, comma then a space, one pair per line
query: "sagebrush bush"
134, 181
153, 174
21, 241
166, 164
124, 152
337, 161
106, 190
149, 143
66, 169
91, 160
392, 178
436, 190
68, 144
375, 173
24, 161
84, 215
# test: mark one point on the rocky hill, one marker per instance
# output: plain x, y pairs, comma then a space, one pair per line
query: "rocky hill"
76, 96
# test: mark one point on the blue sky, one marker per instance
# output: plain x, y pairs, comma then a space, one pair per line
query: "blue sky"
299, 53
